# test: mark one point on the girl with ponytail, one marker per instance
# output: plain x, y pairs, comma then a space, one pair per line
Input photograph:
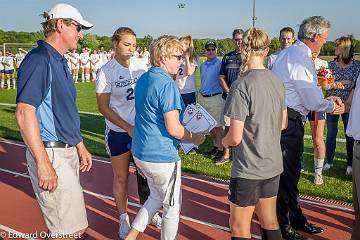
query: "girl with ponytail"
256, 107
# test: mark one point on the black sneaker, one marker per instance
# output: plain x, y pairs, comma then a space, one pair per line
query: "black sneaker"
221, 160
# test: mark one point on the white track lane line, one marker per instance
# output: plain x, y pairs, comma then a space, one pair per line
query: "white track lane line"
137, 205
202, 180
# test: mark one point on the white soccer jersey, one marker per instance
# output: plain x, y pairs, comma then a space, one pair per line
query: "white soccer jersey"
19, 57
84, 60
75, 58
9, 63
104, 59
95, 61
185, 83
67, 57
120, 82
1, 65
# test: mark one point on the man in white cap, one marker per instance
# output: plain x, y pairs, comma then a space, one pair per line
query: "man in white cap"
49, 123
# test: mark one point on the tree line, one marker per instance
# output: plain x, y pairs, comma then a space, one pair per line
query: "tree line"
93, 41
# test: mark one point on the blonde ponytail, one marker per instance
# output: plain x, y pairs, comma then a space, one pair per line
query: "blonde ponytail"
255, 42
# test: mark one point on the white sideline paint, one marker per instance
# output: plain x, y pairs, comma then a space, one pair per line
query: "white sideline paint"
182, 176
98, 114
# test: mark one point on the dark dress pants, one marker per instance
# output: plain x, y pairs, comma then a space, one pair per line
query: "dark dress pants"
292, 146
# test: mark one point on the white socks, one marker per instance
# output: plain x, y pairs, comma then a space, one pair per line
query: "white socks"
318, 165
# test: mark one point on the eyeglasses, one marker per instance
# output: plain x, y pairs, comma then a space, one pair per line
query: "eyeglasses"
210, 49
178, 57
78, 26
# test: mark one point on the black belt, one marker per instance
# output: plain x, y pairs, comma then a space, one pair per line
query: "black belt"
292, 114
211, 95
56, 144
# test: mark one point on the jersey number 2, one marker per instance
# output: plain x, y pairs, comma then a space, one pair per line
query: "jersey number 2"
130, 95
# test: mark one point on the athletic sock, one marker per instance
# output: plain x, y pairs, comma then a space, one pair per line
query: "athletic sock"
93, 76
8, 84
2, 83
87, 77
270, 234
318, 165
14, 83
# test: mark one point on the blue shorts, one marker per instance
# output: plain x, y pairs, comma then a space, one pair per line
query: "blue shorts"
9, 71
189, 98
117, 143
321, 116
2, 70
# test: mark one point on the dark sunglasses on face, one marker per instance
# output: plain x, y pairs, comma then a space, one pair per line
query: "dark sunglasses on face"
78, 27
178, 57
210, 49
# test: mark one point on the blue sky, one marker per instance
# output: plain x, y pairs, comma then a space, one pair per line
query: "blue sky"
199, 18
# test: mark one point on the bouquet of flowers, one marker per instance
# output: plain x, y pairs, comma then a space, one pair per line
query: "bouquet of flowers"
325, 78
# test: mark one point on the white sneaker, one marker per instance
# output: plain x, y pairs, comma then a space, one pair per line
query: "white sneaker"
124, 225
327, 166
348, 171
156, 220
318, 179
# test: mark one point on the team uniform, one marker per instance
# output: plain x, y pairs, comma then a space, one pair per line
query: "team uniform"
85, 64
120, 82
95, 64
67, 57
320, 115
75, 65
8, 62
187, 83
19, 57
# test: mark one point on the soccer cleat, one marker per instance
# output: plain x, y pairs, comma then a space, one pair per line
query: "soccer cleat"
318, 179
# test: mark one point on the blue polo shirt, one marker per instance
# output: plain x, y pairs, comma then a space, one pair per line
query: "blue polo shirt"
209, 74
45, 82
155, 94
230, 66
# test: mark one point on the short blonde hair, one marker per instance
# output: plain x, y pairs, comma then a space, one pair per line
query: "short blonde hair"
164, 46
346, 49
255, 42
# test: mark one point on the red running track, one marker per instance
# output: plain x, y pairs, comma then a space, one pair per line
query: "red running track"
204, 214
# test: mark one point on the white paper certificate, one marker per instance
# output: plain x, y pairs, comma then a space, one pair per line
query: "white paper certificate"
196, 119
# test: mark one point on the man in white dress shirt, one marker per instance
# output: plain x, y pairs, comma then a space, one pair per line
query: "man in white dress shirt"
286, 38
296, 68
353, 130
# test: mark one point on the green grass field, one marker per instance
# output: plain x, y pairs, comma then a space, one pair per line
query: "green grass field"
336, 185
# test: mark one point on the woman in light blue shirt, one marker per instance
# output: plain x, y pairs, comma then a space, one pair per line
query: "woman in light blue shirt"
157, 134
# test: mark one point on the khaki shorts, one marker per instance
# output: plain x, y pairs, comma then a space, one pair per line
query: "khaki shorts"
64, 209
215, 106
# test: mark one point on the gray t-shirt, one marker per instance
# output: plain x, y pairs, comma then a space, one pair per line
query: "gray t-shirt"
258, 100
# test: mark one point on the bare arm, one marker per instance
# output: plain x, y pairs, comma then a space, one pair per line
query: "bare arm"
191, 67
284, 123
349, 101
223, 84
178, 131
103, 102
234, 135
30, 132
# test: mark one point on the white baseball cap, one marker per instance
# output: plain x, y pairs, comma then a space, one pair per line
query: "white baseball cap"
63, 10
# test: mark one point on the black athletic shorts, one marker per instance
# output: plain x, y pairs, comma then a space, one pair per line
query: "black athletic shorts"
247, 192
